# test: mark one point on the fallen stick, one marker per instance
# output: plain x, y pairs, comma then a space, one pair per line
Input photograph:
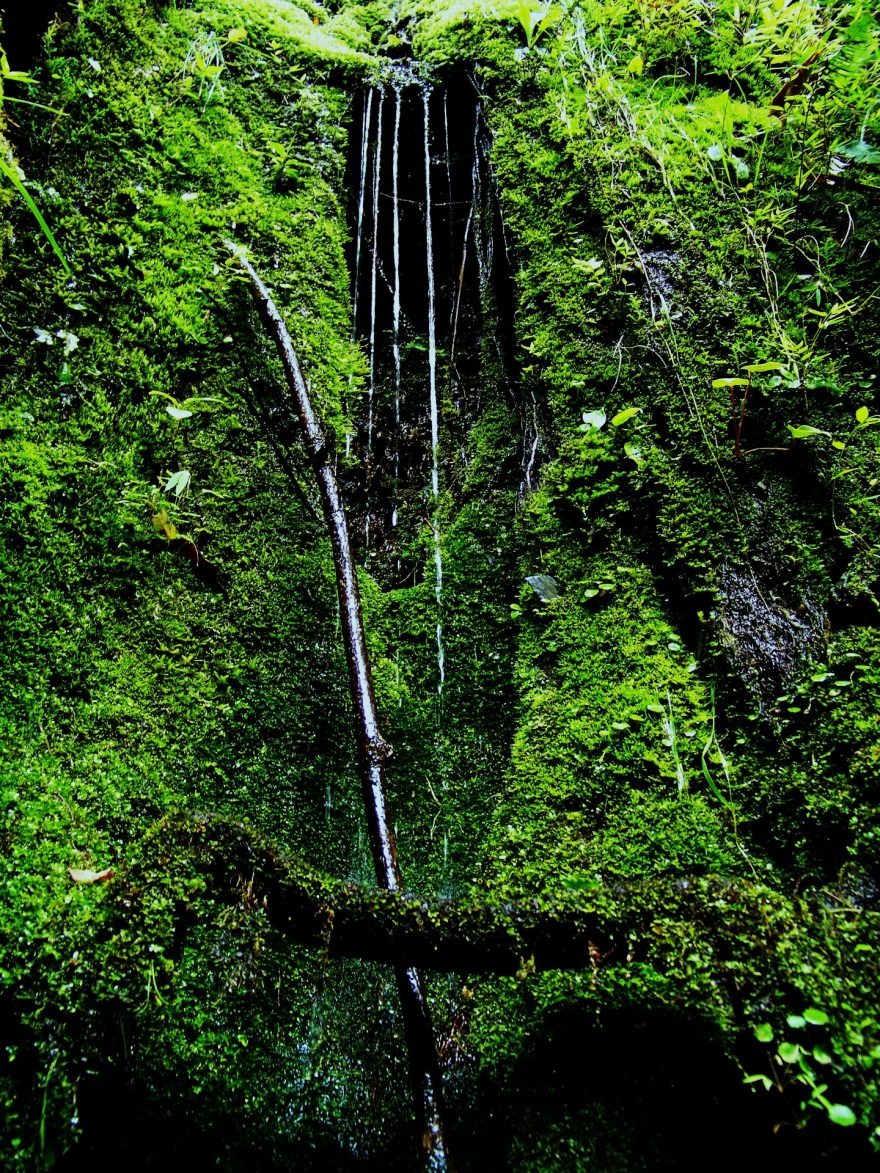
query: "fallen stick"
373, 749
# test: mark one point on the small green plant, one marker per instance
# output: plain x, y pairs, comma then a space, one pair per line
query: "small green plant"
537, 19
739, 389
184, 409
863, 419
13, 173
794, 1067
205, 63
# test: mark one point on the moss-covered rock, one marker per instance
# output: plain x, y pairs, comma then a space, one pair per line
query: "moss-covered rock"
659, 609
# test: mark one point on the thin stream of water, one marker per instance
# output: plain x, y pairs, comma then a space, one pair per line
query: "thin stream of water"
377, 168
435, 415
395, 187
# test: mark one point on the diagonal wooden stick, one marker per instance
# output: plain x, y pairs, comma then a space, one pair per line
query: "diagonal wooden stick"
373, 749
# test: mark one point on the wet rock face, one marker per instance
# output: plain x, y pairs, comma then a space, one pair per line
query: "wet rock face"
432, 304
766, 640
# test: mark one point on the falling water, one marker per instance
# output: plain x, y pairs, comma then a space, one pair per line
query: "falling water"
435, 419
432, 326
360, 221
448, 165
536, 439
483, 240
377, 167
396, 298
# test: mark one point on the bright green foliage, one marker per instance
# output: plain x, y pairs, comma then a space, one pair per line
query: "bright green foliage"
689, 195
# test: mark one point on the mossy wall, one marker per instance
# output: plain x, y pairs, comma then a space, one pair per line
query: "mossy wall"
697, 697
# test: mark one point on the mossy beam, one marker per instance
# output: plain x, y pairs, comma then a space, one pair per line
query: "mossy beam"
373, 749
745, 935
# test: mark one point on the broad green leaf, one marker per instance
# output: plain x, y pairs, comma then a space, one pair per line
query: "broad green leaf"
815, 1016
841, 1114
580, 884
822, 1056
623, 416
591, 266
595, 419
789, 1052
635, 65
759, 368
859, 151
796, 1022
235, 35
764, 1032
804, 430
177, 413
862, 415
179, 482
734, 381
87, 876
838, 444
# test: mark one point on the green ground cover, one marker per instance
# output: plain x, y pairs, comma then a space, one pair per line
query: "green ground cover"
687, 192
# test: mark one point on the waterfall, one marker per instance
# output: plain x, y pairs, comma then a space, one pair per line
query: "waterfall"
435, 417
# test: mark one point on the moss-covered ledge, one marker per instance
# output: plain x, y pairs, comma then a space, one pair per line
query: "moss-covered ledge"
739, 938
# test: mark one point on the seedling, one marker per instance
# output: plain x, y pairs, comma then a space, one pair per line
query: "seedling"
793, 1066
739, 389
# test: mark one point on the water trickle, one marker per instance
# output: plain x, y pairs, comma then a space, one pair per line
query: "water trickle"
432, 380
395, 307
423, 206
432, 310
395, 195
365, 146
531, 445
460, 283
377, 171
483, 239
448, 155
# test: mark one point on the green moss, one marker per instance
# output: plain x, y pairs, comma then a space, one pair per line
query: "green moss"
665, 229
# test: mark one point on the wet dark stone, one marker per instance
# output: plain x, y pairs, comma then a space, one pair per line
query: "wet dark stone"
767, 640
